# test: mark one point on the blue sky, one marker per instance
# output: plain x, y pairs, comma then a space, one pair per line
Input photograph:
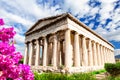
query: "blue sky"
103, 16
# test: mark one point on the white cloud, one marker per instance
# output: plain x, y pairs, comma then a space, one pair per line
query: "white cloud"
20, 48
16, 18
77, 6
117, 52
109, 35
27, 12
19, 38
106, 11
24, 9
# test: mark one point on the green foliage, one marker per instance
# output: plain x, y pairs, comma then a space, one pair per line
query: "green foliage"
98, 71
58, 76
111, 78
113, 69
21, 61
82, 76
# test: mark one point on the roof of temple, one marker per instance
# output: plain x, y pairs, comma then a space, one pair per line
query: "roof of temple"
49, 20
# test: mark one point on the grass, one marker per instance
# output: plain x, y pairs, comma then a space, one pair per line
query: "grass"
75, 76
58, 76
98, 71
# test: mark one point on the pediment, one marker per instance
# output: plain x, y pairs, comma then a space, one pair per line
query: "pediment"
45, 21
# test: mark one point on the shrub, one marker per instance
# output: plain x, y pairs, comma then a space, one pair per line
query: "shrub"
10, 68
113, 69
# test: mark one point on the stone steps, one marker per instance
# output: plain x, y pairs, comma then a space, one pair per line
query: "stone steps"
100, 76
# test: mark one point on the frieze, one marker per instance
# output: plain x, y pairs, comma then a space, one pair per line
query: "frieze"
45, 31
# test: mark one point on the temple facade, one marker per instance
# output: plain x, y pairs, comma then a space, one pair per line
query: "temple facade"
63, 42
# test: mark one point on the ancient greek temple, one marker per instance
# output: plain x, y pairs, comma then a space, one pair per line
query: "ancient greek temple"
63, 41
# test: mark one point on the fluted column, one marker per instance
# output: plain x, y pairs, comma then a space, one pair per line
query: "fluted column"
76, 49
90, 53
113, 56
31, 53
26, 54
106, 55
102, 55
55, 51
68, 51
58, 53
84, 51
37, 58
109, 55
45, 52
98, 54
94, 54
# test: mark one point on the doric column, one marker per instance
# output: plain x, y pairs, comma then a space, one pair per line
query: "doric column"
68, 51
102, 55
90, 53
26, 54
94, 54
104, 50
76, 50
55, 51
98, 54
113, 56
106, 55
84, 52
58, 53
109, 55
37, 58
31, 53
45, 52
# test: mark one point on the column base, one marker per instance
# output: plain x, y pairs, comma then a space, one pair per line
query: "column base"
70, 70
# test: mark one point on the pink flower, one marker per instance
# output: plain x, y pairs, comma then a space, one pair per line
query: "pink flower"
1, 22
10, 68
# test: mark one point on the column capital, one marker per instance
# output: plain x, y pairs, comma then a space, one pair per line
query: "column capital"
93, 41
37, 40
82, 36
97, 43
27, 42
76, 32
67, 29
89, 39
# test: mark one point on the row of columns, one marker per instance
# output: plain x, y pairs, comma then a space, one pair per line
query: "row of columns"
85, 53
